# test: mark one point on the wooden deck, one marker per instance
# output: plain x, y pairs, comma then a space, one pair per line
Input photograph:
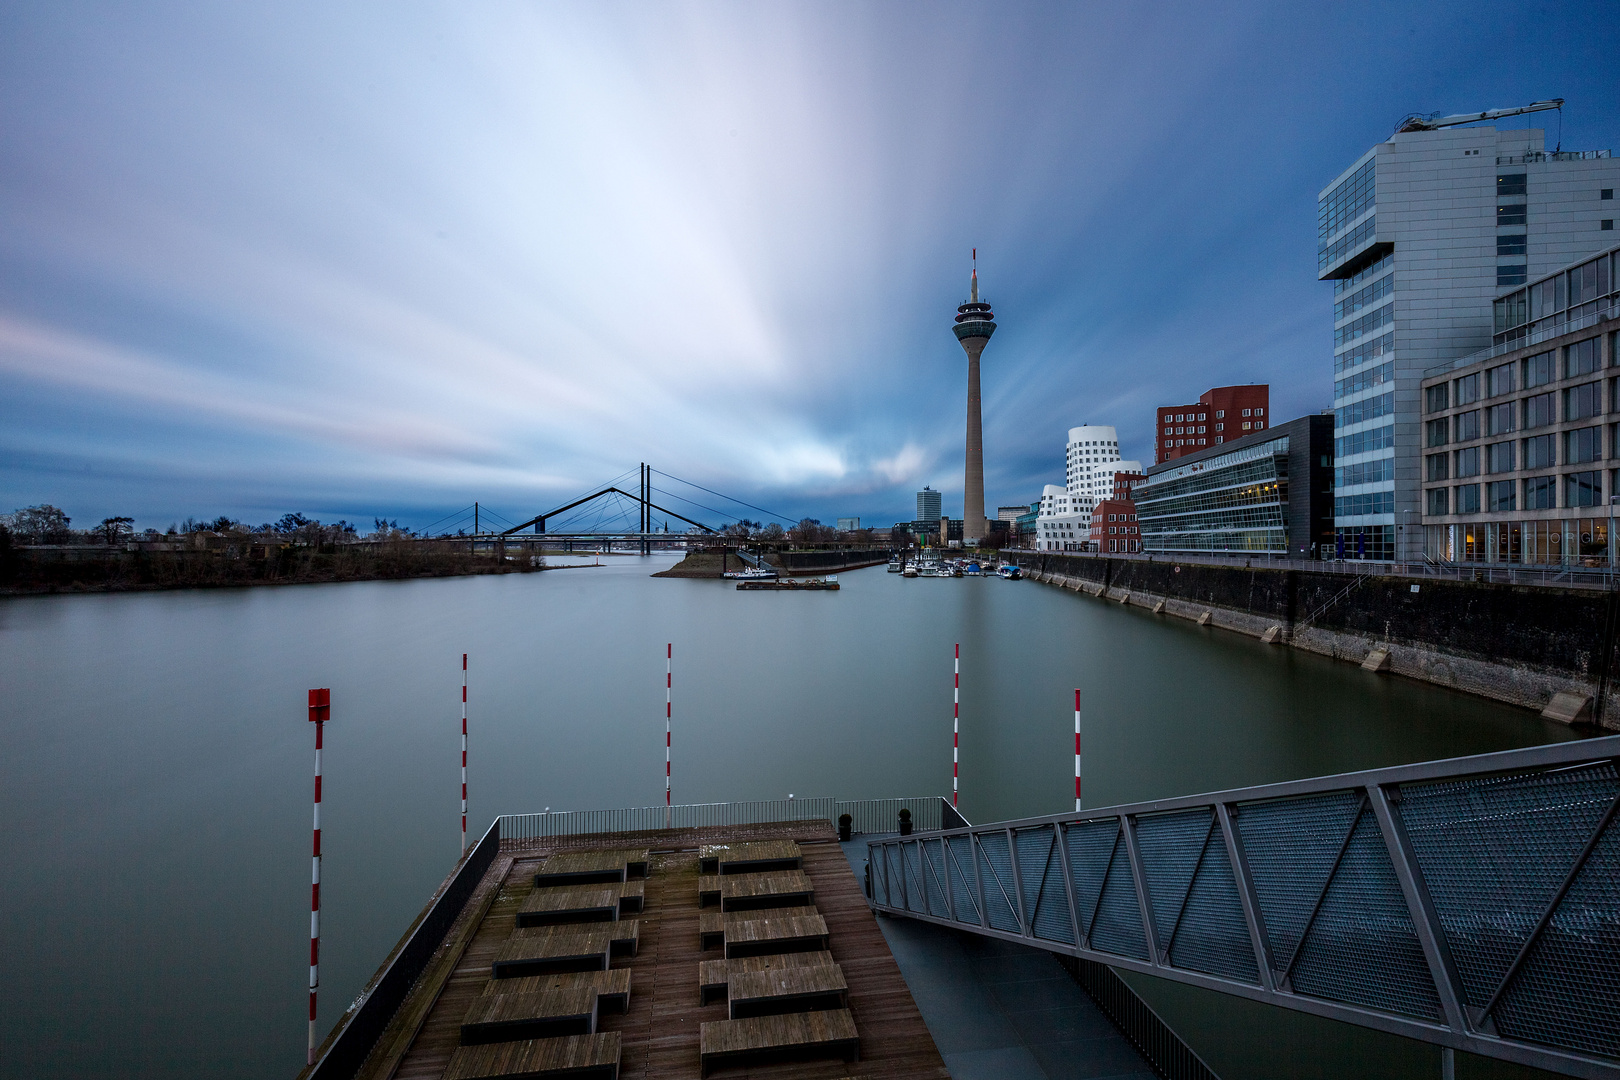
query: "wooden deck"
660, 1033
592, 867
773, 888
750, 857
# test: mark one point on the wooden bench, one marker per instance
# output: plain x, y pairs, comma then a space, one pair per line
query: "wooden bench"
750, 857
542, 1014
771, 889
547, 949
712, 924
592, 867
714, 976
790, 1036
548, 905
612, 987
591, 1057
811, 988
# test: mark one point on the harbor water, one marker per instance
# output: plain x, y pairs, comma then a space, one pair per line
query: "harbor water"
156, 784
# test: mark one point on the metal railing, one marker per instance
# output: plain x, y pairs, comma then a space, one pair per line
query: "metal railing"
1472, 903
868, 815
1543, 329
1153, 1038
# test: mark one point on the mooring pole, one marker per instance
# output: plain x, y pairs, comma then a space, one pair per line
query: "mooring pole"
320, 709
1077, 749
669, 682
464, 753
956, 720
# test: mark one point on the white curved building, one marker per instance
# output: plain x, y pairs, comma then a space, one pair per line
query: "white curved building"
1092, 459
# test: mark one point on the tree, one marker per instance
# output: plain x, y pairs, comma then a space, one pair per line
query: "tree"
291, 523
773, 531
114, 530
42, 524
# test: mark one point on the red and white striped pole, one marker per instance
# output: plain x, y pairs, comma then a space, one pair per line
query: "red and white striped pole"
669, 682
464, 753
1077, 749
320, 710
956, 719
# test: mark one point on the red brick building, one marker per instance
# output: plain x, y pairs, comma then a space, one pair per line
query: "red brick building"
1220, 415
1113, 527
1124, 482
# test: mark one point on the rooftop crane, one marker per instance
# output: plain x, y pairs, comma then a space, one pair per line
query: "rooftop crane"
1419, 122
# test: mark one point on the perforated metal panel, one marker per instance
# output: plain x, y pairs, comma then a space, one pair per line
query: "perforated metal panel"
964, 898
1046, 900
1212, 936
995, 864
933, 857
1292, 845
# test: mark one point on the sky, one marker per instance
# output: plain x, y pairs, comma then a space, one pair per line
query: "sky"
384, 260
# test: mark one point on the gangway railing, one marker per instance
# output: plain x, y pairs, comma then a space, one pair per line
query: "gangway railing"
928, 812
1472, 903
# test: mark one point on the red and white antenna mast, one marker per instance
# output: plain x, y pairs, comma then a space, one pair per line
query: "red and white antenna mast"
669, 682
320, 710
956, 718
464, 753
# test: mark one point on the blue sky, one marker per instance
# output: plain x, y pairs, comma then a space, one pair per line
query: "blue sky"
387, 259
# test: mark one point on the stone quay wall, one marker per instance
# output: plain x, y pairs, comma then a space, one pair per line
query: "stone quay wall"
1540, 647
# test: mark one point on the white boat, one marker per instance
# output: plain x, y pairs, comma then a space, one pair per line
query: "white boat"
753, 573
1010, 572
911, 571
894, 565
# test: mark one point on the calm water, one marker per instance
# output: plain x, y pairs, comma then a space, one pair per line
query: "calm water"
156, 781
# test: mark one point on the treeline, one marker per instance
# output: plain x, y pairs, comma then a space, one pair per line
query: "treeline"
47, 524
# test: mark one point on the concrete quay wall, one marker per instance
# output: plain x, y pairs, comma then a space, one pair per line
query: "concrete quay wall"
1537, 647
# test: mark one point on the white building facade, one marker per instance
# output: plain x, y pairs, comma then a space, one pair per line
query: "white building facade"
1418, 236
1092, 459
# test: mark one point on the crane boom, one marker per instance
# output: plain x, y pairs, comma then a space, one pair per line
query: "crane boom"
1418, 122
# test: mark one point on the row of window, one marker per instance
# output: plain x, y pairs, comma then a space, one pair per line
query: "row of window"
1366, 472
1498, 496
1543, 451
1351, 241
1364, 441
1581, 358
1370, 323
1346, 202
1373, 502
1366, 298
1365, 409
1569, 289
1365, 379
1575, 403
1220, 414
1198, 429
1367, 273
1366, 352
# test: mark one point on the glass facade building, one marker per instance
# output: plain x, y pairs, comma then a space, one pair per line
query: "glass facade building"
1419, 237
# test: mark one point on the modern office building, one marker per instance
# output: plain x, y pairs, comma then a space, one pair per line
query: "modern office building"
975, 322
1220, 415
852, 524
1270, 492
928, 504
1520, 440
1419, 235
1011, 513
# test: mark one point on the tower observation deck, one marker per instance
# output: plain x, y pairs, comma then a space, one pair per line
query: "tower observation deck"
975, 322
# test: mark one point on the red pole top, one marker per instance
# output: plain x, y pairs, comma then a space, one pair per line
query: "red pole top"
320, 705
463, 661
959, 650
669, 651
1077, 701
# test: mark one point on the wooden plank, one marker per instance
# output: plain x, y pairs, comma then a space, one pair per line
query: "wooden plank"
546, 949
715, 975
576, 1056
712, 924
797, 934
749, 857
592, 867
770, 889
612, 988
787, 989
771, 1038
544, 1014
570, 904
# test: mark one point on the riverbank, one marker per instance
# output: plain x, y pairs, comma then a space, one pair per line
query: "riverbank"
1538, 647
32, 573
714, 564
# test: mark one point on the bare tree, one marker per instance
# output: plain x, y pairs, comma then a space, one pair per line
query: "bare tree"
115, 530
42, 524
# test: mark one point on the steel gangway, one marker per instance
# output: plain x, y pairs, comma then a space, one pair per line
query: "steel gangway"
1472, 903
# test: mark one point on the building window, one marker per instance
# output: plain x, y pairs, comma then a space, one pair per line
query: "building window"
1606, 193
1538, 492
1468, 462
1511, 274
1581, 358
1220, 414
1468, 389
1539, 411
1499, 381
1499, 457
1468, 499
1436, 432
1510, 214
1246, 412
1511, 244
1467, 426
1438, 501
1606, 225
1583, 489
1538, 452
1438, 466
1499, 418
1435, 398
1583, 445
1538, 370
1581, 402
1499, 495
1512, 184
1258, 424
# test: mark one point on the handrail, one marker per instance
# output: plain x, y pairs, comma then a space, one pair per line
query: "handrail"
1389, 898
868, 815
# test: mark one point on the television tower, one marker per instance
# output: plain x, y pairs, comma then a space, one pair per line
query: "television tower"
975, 322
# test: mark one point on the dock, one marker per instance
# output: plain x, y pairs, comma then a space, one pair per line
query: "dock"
636, 994
829, 584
